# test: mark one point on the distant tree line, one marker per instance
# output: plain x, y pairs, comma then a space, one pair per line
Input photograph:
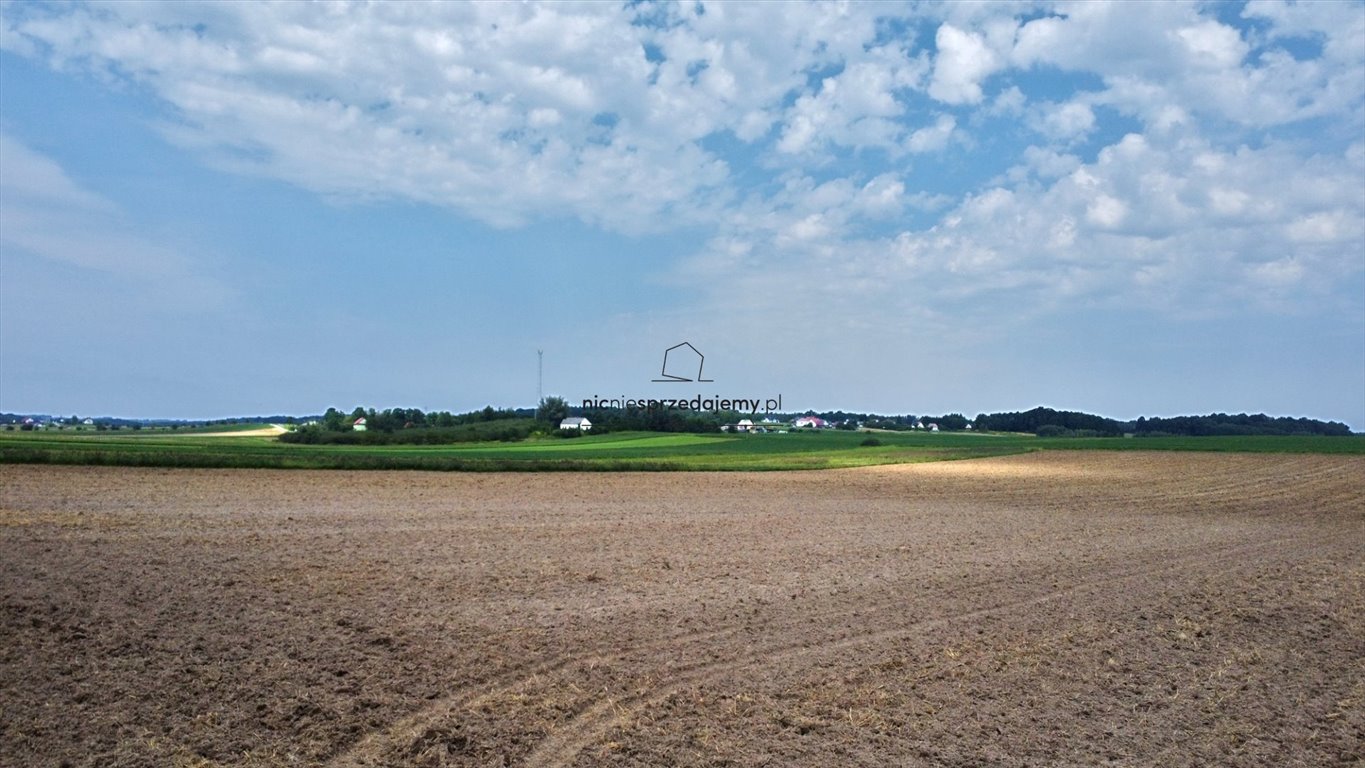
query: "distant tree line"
1237, 424
277, 419
394, 419
902, 423
553, 410
412, 426
1046, 422
658, 420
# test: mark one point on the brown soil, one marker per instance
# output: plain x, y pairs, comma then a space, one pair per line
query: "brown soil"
1048, 609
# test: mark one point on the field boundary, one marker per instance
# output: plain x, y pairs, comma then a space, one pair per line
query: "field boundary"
618, 452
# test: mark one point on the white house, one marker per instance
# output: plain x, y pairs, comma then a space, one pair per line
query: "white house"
744, 425
814, 422
88, 422
576, 422
933, 427
359, 425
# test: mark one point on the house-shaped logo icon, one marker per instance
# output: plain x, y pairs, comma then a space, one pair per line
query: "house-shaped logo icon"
680, 361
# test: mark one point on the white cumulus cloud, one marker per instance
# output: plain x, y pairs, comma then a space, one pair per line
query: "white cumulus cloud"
963, 61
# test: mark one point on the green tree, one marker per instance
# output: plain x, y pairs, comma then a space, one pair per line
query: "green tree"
954, 421
552, 410
334, 420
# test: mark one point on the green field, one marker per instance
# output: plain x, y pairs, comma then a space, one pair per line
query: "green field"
613, 452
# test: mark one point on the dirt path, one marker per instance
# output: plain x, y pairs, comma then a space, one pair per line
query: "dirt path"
1048, 609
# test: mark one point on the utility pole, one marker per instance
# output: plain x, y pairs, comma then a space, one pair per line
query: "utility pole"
540, 377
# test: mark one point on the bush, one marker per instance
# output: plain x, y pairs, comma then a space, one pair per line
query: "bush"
870, 441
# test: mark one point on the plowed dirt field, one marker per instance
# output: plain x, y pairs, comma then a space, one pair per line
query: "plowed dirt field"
1088, 608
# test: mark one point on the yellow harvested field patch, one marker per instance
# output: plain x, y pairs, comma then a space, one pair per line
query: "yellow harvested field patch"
272, 430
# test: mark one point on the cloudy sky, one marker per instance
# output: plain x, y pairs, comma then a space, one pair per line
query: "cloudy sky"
1129, 209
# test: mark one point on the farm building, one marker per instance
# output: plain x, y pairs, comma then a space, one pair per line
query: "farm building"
576, 422
744, 425
814, 422
359, 424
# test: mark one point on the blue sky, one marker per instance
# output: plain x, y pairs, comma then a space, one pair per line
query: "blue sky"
1129, 209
